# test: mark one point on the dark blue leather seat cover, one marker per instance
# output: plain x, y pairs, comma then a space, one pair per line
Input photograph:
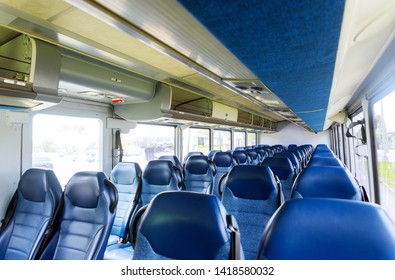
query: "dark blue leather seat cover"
326, 181
86, 220
37, 197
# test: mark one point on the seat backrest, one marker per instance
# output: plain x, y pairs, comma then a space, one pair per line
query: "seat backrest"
198, 174
328, 229
177, 165
126, 176
211, 154
84, 224
29, 214
326, 181
251, 194
171, 229
292, 157
193, 153
325, 161
241, 156
158, 176
174, 159
253, 155
224, 162
284, 170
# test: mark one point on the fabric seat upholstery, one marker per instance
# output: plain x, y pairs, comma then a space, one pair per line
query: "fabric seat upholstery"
223, 162
284, 170
251, 195
172, 229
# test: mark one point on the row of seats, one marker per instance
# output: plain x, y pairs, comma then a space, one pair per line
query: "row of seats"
198, 175
45, 222
252, 198
327, 215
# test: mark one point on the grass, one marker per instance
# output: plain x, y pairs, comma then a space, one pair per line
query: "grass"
387, 172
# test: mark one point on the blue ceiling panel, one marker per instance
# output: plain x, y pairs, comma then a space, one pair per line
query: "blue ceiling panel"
289, 45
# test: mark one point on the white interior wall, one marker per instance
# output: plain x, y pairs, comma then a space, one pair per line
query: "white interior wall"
289, 133
10, 163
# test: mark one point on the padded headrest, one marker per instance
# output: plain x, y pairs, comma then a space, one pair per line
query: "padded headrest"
211, 154
281, 166
326, 229
327, 181
223, 159
255, 182
185, 225
322, 147
173, 159
291, 156
159, 172
252, 152
35, 183
125, 173
197, 165
241, 155
192, 154
325, 161
84, 188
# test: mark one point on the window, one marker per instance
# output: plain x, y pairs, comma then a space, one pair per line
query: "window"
384, 131
147, 142
239, 139
66, 144
195, 140
360, 154
222, 140
251, 138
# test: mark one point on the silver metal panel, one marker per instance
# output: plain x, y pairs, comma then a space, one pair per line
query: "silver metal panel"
84, 76
170, 23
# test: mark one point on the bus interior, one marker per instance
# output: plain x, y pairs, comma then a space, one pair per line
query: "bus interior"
89, 85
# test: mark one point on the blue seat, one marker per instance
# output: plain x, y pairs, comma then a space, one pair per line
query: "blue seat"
241, 157
198, 174
158, 176
176, 163
193, 153
186, 226
29, 214
292, 157
284, 170
211, 154
328, 229
126, 176
84, 224
325, 161
253, 155
262, 153
251, 194
328, 182
224, 162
